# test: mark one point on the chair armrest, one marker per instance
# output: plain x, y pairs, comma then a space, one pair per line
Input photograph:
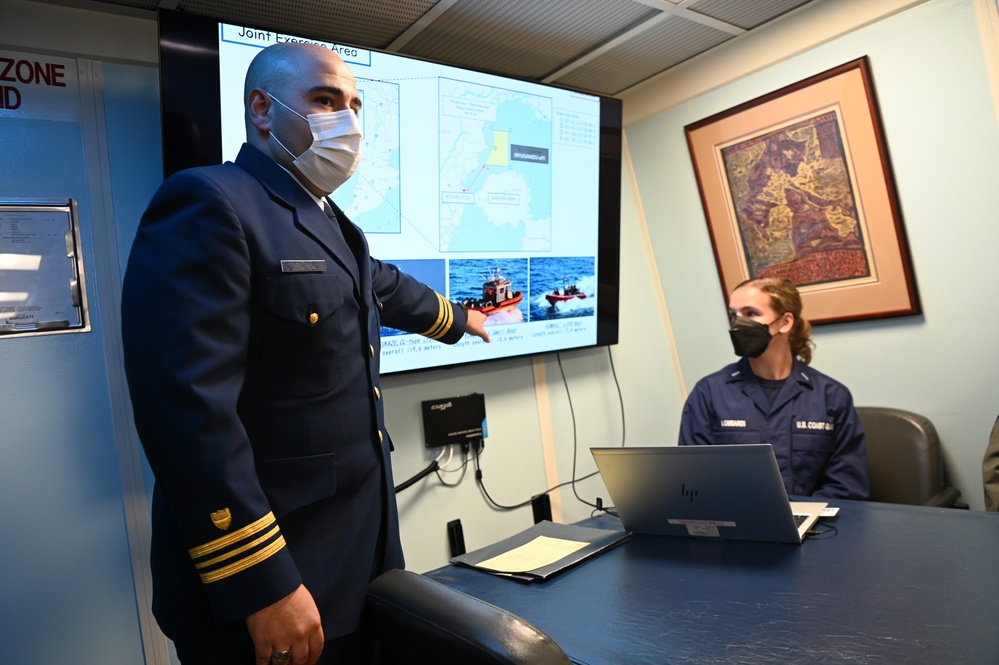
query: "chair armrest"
945, 498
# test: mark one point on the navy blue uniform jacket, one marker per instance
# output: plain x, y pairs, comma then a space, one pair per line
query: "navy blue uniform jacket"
251, 340
815, 432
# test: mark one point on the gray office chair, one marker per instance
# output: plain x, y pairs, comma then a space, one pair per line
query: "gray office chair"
418, 620
904, 459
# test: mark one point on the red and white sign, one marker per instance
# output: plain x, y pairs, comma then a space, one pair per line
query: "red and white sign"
38, 87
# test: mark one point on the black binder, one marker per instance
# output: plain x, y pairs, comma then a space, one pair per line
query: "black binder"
598, 540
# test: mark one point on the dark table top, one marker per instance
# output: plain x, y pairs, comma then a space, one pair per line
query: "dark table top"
893, 584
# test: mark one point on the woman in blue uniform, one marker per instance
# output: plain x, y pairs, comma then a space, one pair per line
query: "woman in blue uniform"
772, 396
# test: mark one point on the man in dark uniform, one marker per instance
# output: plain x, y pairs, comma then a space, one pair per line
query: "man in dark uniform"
250, 322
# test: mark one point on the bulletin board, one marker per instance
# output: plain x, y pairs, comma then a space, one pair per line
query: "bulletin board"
42, 287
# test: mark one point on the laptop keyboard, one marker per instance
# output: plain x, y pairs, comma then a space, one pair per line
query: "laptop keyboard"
799, 519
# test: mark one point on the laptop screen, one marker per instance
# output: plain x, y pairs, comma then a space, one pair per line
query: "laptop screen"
722, 491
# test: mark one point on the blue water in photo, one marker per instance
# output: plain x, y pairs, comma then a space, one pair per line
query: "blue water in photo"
535, 277
429, 271
549, 273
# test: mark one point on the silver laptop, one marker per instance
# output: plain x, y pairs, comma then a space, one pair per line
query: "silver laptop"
732, 492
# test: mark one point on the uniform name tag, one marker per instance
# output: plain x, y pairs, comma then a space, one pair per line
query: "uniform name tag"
303, 265
808, 424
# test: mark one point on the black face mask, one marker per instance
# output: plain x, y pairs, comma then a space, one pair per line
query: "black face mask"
749, 338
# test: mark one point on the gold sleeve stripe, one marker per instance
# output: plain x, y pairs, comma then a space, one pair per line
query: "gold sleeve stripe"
227, 540
228, 555
442, 308
444, 322
243, 564
445, 319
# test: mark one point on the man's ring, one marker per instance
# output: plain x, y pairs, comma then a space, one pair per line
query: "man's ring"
281, 656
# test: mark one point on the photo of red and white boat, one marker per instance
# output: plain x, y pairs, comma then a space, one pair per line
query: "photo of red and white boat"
497, 295
568, 291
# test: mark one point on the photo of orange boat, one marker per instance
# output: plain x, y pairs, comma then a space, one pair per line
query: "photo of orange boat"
497, 294
568, 291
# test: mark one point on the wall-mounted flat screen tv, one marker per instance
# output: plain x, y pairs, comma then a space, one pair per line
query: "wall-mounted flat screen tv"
499, 193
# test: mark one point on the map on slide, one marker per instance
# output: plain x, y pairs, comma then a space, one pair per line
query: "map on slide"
495, 170
371, 198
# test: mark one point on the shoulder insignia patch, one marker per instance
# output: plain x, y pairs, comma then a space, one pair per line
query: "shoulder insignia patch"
222, 518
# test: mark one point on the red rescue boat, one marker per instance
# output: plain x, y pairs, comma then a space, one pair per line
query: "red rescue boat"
567, 292
497, 295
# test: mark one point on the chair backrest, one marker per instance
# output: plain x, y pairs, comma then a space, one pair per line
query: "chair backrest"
904, 459
418, 620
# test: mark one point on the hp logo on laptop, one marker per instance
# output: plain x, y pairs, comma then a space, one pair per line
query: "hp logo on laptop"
688, 493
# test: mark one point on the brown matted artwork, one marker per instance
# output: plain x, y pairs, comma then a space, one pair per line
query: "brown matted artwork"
797, 184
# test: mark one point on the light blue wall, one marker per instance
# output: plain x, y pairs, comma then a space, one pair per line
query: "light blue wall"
940, 125
132, 108
65, 568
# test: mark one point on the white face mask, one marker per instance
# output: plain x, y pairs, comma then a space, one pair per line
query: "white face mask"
335, 151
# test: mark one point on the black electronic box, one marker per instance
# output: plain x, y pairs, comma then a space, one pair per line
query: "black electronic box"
451, 420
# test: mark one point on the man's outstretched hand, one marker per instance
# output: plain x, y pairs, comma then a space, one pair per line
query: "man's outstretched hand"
476, 324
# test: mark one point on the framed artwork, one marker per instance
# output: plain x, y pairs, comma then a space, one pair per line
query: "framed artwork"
797, 184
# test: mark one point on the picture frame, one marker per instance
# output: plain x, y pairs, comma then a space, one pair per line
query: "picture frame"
797, 183
42, 285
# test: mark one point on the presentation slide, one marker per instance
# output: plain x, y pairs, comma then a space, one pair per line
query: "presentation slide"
486, 188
